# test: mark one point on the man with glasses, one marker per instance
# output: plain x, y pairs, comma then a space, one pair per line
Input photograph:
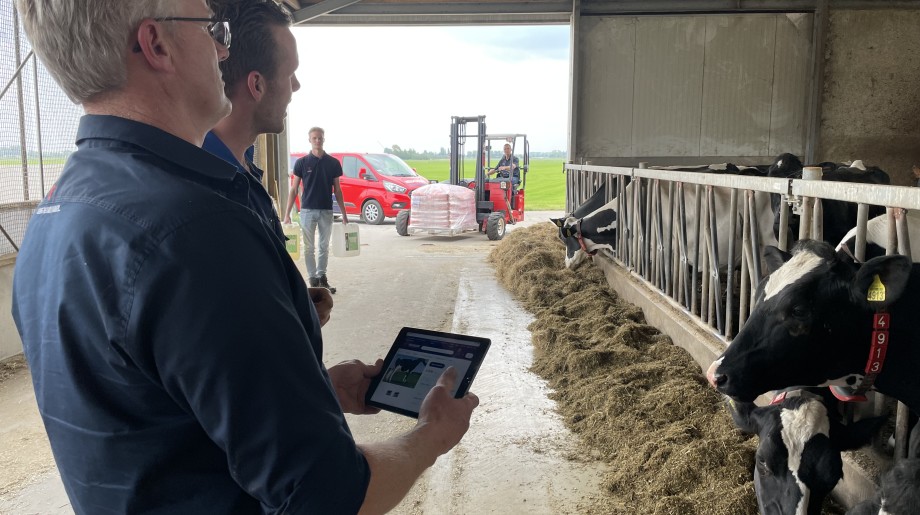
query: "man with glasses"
174, 351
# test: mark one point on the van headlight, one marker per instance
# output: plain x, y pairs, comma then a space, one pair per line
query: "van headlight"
395, 188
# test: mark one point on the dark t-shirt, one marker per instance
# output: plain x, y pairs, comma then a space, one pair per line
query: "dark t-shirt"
513, 163
317, 174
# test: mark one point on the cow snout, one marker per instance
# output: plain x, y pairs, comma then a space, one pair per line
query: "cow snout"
714, 378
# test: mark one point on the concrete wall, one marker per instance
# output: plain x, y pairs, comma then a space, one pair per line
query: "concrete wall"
871, 99
10, 344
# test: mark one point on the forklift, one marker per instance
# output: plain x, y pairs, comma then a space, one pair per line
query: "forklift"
498, 201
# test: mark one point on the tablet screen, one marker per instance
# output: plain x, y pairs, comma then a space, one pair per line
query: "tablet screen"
416, 361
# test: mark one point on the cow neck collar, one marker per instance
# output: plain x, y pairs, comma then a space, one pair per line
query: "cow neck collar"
581, 240
881, 321
789, 393
846, 250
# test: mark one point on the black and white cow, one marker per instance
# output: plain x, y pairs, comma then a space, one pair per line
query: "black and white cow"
877, 238
404, 366
898, 493
798, 459
583, 236
838, 216
813, 325
594, 202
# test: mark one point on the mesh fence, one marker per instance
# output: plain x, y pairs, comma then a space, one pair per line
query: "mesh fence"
38, 124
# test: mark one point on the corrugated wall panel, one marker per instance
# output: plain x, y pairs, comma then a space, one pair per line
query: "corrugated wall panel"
694, 86
669, 85
738, 85
789, 118
605, 102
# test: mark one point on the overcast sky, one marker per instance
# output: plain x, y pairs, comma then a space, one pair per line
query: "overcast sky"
373, 87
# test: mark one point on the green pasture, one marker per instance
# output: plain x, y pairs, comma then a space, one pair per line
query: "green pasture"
545, 180
33, 162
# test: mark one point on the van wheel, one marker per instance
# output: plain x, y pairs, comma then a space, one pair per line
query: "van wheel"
372, 213
495, 226
402, 222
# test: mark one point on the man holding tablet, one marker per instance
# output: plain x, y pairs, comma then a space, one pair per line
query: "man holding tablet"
168, 380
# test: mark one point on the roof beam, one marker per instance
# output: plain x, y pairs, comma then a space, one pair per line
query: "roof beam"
444, 13
320, 9
512, 12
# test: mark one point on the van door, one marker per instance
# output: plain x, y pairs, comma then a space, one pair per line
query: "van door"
352, 185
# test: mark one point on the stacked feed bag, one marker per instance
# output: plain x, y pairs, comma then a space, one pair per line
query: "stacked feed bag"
443, 207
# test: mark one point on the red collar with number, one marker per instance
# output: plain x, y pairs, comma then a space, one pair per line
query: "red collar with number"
881, 322
581, 241
577, 234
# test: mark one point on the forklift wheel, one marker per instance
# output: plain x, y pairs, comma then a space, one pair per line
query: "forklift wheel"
402, 222
495, 226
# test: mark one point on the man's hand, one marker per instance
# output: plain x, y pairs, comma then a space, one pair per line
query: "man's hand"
344, 219
442, 418
322, 300
351, 380
287, 219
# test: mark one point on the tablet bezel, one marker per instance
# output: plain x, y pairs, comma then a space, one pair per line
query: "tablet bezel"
463, 382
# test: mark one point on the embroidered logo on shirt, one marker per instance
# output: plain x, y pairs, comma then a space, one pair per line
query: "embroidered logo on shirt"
48, 209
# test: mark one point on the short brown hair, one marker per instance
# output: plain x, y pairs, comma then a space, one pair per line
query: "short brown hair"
254, 47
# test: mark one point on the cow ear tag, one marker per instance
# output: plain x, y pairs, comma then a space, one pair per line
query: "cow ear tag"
876, 290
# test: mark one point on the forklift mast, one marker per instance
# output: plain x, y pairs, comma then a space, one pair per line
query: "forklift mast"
458, 137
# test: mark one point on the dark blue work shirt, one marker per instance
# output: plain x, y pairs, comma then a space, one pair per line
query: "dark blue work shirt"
515, 171
318, 175
259, 199
174, 349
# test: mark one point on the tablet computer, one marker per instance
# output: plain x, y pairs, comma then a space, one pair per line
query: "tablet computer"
414, 363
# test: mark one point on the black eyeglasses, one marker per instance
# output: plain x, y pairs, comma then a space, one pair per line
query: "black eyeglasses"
218, 28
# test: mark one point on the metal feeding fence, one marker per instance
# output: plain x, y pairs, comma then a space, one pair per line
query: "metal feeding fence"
38, 124
669, 228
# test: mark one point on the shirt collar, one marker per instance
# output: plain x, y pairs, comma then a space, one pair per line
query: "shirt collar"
156, 141
216, 146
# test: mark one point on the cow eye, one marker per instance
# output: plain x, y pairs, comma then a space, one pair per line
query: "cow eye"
763, 467
800, 311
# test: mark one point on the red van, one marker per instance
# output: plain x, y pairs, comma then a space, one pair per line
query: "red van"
375, 186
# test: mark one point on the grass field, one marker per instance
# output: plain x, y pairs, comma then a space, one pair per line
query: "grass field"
545, 184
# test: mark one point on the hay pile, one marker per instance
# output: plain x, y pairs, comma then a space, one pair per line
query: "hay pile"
637, 401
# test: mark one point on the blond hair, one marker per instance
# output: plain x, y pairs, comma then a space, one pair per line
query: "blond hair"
84, 43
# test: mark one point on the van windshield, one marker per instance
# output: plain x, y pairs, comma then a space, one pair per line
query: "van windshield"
390, 165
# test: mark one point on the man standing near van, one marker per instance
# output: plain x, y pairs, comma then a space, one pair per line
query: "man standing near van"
319, 172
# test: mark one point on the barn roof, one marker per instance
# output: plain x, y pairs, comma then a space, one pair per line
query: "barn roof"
510, 12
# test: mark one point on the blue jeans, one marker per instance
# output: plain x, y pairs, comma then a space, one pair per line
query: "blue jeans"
310, 220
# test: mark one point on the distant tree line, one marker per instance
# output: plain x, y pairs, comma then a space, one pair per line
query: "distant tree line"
411, 153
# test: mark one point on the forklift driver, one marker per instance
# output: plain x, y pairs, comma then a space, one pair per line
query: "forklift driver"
507, 168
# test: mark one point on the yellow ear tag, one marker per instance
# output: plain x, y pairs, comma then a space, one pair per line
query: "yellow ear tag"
876, 291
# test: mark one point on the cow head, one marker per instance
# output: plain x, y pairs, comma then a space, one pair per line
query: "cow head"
900, 489
785, 165
569, 235
798, 458
584, 237
811, 324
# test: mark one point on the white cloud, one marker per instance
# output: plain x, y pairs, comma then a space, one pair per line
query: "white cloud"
372, 87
